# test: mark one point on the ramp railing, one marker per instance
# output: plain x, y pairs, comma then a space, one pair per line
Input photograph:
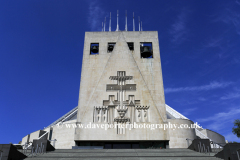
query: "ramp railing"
216, 147
201, 147
37, 150
205, 148
28, 145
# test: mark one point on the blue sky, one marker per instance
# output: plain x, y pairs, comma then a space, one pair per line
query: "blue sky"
41, 48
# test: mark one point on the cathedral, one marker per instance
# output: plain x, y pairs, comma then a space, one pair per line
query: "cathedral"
121, 99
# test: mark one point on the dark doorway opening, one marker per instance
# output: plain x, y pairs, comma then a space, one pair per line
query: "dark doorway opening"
125, 145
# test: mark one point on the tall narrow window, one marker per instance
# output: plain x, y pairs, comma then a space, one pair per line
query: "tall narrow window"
94, 48
50, 134
146, 50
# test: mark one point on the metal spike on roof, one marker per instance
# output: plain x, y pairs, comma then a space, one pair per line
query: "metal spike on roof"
110, 23
133, 23
126, 22
117, 22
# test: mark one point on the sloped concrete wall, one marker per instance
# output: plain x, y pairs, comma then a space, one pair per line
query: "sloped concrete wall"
214, 136
25, 139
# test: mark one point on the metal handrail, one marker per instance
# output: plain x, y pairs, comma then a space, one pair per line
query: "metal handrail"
169, 109
61, 119
202, 148
37, 150
28, 145
43, 135
202, 134
25, 148
208, 150
217, 145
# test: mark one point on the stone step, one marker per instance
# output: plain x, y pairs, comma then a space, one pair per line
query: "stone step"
121, 150
117, 154
122, 154
128, 158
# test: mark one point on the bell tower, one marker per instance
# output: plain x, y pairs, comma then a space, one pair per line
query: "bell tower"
121, 89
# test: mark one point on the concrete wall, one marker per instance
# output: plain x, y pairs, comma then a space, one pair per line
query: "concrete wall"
179, 135
47, 130
36, 135
32, 136
64, 135
25, 139
147, 75
214, 136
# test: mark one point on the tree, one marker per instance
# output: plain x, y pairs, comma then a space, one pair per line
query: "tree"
236, 128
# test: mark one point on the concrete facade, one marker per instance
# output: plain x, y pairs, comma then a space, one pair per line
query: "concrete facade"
146, 75
121, 87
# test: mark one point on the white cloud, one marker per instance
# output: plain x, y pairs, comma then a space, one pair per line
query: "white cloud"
236, 61
202, 99
212, 85
214, 42
96, 15
179, 29
230, 96
230, 17
189, 111
221, 120
237, 2
218, 43
222, 115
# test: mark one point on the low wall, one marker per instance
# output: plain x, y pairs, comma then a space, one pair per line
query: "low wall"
179, 135
64, 136
214, 136
25, 139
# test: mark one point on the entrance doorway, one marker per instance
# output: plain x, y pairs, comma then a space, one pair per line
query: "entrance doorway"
124, 145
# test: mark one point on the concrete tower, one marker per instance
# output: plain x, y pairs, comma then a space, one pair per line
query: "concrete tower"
121, 84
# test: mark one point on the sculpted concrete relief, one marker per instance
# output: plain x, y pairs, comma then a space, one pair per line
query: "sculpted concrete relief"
121, 111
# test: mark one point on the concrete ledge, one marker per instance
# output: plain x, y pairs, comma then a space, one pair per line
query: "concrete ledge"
87, 147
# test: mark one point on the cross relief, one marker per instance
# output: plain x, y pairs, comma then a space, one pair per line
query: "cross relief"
122, 108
